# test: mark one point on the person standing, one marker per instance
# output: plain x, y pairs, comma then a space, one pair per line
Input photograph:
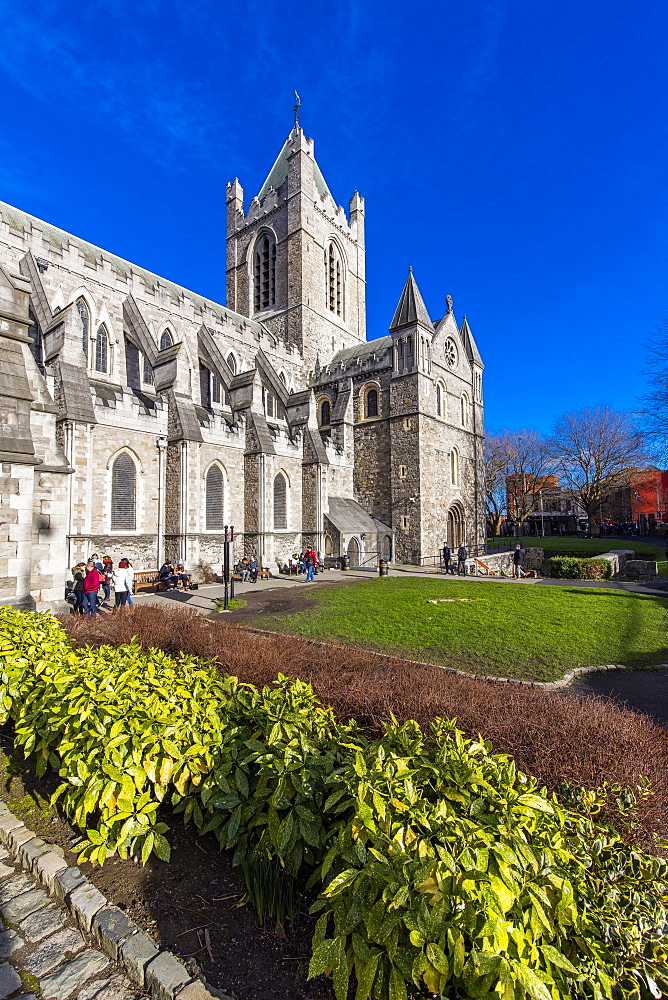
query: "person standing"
517, 559
461, 560
107, 573
91, 585
122, 584
127, 566
78, 574
309, 562
447, 556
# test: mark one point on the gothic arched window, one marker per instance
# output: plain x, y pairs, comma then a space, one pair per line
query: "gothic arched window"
325, 413
147, 373
264, 273
165, 340
465, 410
123, 493
439, 400
232, 363
102, 350
84, 315
334, 280
214, 491
280, 502
454, 467
371, 403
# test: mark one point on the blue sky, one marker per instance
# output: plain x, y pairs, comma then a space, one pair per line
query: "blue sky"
513, 152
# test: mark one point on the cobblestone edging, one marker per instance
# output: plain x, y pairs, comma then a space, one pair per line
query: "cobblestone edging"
65, 940
545, 685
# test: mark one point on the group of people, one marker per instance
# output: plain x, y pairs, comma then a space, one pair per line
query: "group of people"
306, 562
95, 575
172, 576
248, 569
462, 556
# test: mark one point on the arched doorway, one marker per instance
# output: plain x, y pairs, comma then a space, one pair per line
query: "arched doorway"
354, 552
386, 548
455, 528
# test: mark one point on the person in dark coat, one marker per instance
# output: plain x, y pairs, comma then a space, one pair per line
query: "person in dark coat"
447, 556
517, 559
168, 576
462, 555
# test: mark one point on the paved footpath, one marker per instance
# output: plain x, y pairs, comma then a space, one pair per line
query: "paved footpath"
42, 952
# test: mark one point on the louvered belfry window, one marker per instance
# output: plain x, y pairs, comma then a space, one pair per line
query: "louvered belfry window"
264, 274
84, 315
123, 494
333, 267
215, 513
280, 502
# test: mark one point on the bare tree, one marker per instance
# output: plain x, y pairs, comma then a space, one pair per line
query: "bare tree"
517, 465
593, 451
495, 480
655, 401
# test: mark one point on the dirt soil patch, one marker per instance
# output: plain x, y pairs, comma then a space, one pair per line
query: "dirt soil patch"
189, 906
288, 601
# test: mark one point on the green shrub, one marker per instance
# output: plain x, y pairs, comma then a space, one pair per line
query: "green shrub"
458, 875
442, 868
572, 568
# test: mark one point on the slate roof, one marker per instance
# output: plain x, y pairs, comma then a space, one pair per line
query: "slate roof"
469, 343
378, 346
411, 308
279, 174
59, 239
349, 517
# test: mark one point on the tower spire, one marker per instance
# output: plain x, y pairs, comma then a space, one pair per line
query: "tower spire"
298, 105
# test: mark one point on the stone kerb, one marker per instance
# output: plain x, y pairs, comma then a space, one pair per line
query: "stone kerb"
158, 972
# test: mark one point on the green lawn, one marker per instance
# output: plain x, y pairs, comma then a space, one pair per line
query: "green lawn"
506, 629
593, 546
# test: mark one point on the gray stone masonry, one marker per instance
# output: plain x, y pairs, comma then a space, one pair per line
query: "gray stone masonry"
67, 938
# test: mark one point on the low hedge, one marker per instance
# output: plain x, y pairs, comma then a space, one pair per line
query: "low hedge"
439, 866
572, 568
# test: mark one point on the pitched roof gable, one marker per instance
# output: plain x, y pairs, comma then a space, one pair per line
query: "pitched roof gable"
411, 308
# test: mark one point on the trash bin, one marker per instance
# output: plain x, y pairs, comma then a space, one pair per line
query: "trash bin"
383, 568
345, 562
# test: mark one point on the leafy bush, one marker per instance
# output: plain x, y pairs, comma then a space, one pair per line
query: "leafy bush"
442, 867
557, 737
572, 568
458, 874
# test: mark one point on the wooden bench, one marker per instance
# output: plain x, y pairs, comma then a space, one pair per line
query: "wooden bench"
149, 579
488, 571
146, 579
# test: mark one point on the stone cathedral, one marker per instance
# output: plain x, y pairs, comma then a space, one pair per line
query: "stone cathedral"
138, 418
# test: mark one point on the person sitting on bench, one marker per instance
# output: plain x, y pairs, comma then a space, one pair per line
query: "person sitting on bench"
168, 576
182, 576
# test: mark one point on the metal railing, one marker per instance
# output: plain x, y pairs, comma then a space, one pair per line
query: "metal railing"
472, 552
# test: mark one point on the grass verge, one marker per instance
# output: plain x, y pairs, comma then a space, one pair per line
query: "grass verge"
501, 629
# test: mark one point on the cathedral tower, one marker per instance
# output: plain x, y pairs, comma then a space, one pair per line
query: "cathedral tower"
295, 261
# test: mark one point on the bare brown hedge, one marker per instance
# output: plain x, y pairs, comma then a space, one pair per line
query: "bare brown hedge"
554, 736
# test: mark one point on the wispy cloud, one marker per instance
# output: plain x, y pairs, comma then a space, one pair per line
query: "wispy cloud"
97, 66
